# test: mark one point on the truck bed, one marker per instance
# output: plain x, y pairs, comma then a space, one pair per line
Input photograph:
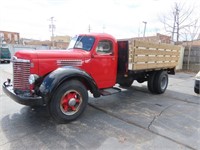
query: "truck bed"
144, 55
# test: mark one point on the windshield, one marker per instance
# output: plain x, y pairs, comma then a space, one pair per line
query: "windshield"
4, 53
82, 42
5, 50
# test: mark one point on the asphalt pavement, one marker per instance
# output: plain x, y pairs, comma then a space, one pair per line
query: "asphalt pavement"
133, 119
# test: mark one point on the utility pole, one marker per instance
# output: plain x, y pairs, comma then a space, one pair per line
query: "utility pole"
52, 29
104, 27
89, 28
145, 24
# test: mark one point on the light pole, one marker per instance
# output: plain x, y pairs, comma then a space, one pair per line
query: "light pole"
145, 24
52, 28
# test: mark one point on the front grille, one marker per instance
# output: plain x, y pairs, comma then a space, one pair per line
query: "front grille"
21, 72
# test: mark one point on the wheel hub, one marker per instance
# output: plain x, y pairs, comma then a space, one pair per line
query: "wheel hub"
163, 82
72, 102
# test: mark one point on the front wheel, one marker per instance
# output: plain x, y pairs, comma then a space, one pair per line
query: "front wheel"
69, 101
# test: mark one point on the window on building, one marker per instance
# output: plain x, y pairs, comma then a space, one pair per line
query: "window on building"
9, 36
15, 37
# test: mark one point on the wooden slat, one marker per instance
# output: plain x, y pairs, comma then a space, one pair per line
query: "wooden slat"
153, 59
146, 55
154, 65
154, 45
154, 52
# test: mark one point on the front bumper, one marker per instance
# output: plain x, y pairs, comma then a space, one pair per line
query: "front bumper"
22, 99
6, 59
197, 86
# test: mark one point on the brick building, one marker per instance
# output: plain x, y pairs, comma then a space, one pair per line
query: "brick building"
9, 37
65, 38
57, 42
61, 42
158, 38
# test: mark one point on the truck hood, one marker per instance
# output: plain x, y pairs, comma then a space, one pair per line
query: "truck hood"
45, 61
50, 54
58, 54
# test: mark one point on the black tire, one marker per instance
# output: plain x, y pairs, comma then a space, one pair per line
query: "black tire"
126, 82
68, 102
197, 91
150, 83
160, 82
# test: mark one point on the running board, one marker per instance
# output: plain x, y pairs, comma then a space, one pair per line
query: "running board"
110, 91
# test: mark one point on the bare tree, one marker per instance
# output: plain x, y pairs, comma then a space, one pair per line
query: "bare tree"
177, 20
191, 33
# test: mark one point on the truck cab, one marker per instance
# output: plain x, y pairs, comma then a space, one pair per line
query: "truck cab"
100, 60
95, 62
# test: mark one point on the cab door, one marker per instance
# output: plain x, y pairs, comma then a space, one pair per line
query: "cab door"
104, 63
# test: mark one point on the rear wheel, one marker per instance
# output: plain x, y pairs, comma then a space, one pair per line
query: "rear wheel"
158, 82
69, 101
161, 82
150, 82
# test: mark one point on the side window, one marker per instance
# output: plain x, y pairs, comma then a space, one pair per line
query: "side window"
104, 47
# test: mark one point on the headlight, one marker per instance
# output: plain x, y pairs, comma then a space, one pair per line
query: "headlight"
198, 75
32, 78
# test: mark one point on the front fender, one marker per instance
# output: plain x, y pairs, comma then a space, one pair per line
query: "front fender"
58, 76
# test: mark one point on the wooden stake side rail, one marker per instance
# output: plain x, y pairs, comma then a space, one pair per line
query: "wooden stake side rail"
145, 55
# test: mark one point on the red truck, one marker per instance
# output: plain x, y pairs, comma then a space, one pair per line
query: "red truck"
61, 79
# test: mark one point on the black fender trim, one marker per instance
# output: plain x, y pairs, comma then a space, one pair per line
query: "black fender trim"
58, 76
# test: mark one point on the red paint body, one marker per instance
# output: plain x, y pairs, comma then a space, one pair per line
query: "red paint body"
102, 67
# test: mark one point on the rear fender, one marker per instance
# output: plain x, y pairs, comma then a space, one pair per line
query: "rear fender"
53, 80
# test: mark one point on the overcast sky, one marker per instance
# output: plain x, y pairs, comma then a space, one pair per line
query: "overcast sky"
121, 18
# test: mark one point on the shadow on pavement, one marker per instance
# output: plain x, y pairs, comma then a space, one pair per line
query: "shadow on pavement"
122, 120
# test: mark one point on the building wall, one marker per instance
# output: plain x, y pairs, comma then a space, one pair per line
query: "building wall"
194, 59
57, 45
193, 43
61, 38
158, 38
9, 37
16, 47
180, 61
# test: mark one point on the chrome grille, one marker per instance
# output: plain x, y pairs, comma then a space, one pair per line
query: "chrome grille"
21, 72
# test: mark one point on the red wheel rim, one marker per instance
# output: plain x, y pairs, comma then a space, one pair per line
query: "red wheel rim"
70, 102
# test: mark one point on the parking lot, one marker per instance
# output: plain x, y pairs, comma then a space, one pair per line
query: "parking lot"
131, 119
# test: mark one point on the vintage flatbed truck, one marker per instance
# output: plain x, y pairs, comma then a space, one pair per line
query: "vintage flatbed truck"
61, 79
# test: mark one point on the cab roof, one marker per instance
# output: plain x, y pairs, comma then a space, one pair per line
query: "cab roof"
99, 35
